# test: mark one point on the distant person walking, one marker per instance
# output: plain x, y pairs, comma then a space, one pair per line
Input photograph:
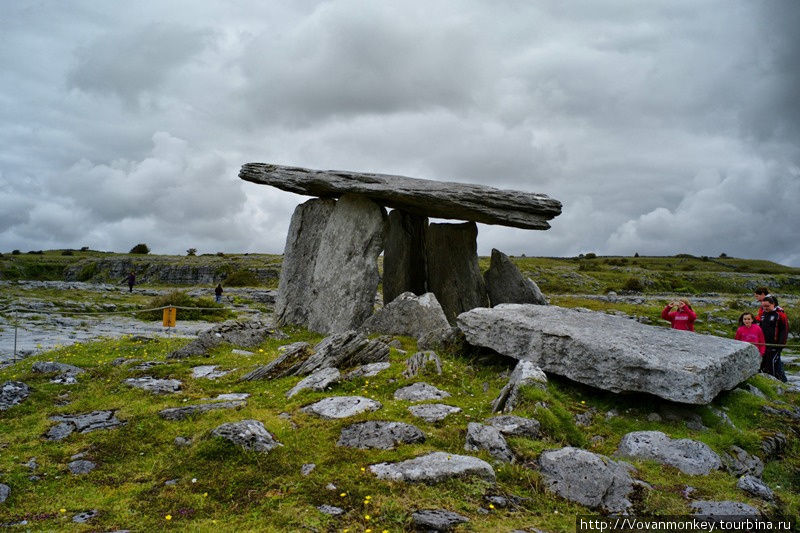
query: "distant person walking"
750, 332
131, 279
680, 315
775, 326
218, 293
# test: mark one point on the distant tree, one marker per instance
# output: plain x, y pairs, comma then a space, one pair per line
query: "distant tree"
84, 248
191, 251
221, 254
723, 255
636, 254
140, 248
591, 255
15, 252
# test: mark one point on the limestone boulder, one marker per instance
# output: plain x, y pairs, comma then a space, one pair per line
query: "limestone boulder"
756, 487
335, 407
724, 510
409, 315
345, 279
505, 284
433, 412
611, 352
420, 392
489, 438
379, 434
319, 380
422, 361
5, 491
82, 423
182, 413
13, 393
287, 362
154, 385
515, 426
249, 434
343, 350
247, 333
433, 468
436, 520
689, 456
588, 479
525, 374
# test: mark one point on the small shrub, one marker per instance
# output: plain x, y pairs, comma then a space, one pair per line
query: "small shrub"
242, 278
84, 248
590, 255
633, 284
182, 299
636, 254
140, 248
191, 251
35, 252
220, 254
15, 252
704, 258
723, 255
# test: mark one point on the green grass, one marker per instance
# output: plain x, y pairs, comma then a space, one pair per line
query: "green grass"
235, 490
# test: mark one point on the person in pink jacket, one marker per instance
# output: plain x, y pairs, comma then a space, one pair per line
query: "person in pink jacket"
680, 314
750, 332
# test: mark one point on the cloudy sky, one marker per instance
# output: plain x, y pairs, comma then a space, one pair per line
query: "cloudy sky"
663, 127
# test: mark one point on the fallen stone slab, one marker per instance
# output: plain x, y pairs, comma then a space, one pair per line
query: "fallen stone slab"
342, 406
81, 467
756, 487
689, 456
421, 197
419, 392
505, 284
525, 373
588, 478
409, 315
434, 467
739, 463
319, 380
5, 491
367, 371
420, 361
343, 350
248, 434
181, 413
154, 385
433, 412
246, 333
613, 353
82, 423
724, 510
13, 393
489, 438
436, 519
208, 372
515, 426
283, 365
379, 434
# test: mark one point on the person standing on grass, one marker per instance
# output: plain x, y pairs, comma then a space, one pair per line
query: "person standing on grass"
680, 315
218, 293
750, 332
775, 326
131, 279
760, 293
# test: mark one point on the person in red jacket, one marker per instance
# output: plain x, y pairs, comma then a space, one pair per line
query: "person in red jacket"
761, 293
680, 314
750, 332
775, 326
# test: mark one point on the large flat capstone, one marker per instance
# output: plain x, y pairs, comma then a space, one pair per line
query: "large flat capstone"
613, 353
426, 198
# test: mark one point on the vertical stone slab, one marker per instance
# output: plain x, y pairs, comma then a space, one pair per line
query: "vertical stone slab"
404, 255
453, 273
299, 258
506, 284
346, 275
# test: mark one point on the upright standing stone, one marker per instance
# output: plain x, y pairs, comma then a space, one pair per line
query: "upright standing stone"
346, 277
506, 284
404, 255
453, 272
299, 258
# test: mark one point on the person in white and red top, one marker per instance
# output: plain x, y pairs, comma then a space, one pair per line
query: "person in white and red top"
680, 314
750, 332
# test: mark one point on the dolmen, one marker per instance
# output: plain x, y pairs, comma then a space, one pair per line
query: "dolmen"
330, 274
613, 353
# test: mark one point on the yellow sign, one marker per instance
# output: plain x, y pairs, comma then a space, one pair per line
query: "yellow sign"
169, 317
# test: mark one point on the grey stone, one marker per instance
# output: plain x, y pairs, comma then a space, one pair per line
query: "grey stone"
525, 373
342, 406
330, 510
5, 491
774, 445
249, 434
421, 197
231, 396
689, 456
724, 510
246, 333
505, 284
453, 272
299, 257
343, 350
307, 468
451, 340
753, 390
51, 367
613, 353
585, 418
283, 365
587, 478
436, 519
13, 393
208, 372
319, 380
419, 392
181, 413
81, 467
738, 462
434, 467
82, 423
515, 426
346, 278
404, 255
182, 442
379, 434
420, 361
489, 438
433, 412
756, 487
154, 385
367, 371
408, 315
82, 518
